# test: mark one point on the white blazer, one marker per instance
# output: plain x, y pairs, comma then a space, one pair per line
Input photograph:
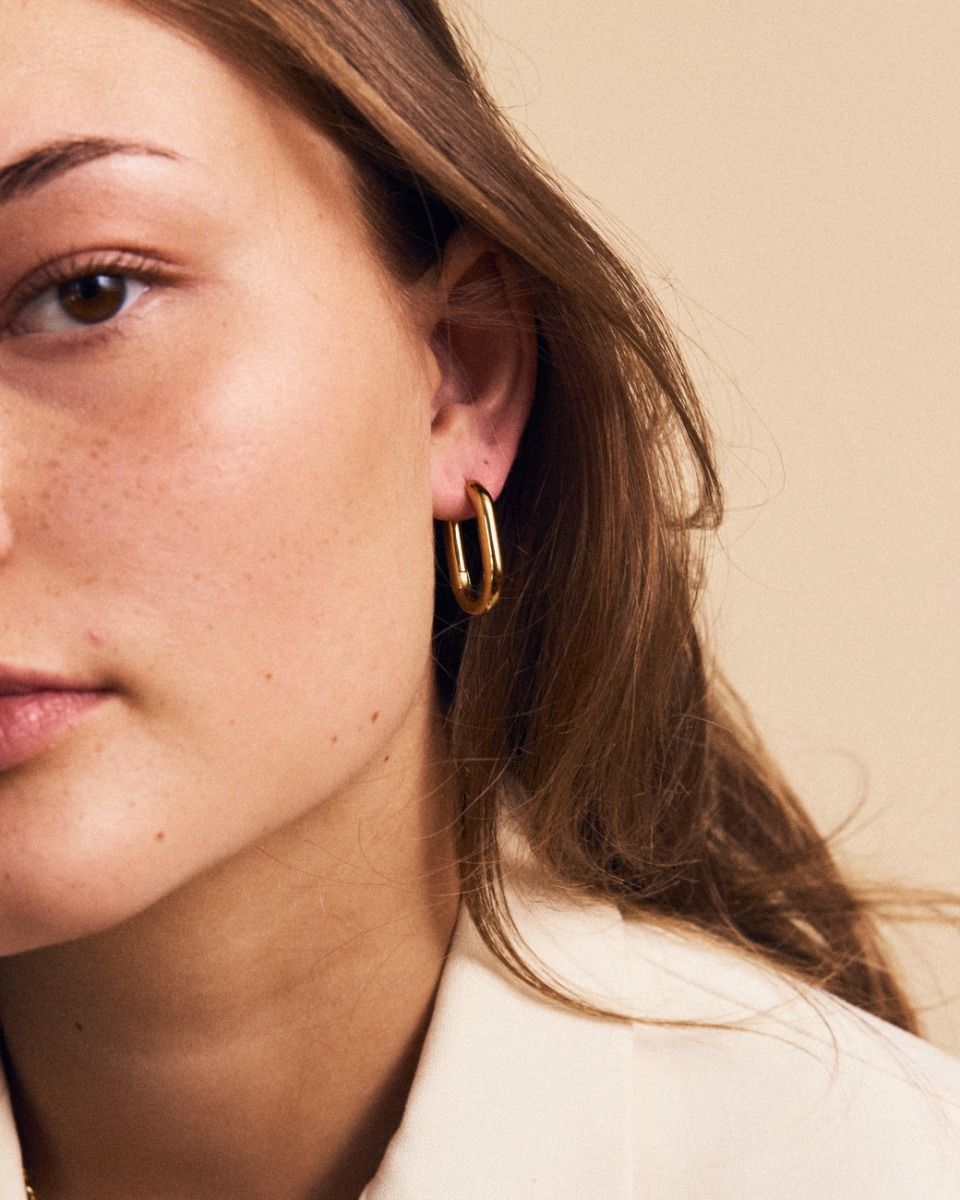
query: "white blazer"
807, 1099
515, 1098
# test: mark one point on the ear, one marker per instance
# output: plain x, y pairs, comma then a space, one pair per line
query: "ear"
488, 362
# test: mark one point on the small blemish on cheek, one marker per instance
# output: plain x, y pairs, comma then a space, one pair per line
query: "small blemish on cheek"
95, 639
268, 676
387, 759
159, 836
335, 739
78, 1026
375, 717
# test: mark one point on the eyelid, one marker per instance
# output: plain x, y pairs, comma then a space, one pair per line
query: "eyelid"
134, 264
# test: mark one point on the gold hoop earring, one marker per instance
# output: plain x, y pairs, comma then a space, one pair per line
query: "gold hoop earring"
472, 601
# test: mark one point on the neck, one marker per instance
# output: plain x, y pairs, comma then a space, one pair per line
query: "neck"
255, 1033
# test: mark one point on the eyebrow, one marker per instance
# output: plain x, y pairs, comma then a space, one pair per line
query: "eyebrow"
46, 163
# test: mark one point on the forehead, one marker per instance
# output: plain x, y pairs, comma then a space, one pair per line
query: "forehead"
100, 68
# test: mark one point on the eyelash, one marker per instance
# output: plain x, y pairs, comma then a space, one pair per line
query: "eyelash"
123, 264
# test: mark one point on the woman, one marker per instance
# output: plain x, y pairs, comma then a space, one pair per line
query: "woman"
315, 885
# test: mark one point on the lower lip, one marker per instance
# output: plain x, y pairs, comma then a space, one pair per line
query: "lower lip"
31, 721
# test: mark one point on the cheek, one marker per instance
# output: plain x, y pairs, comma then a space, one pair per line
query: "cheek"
249, 551
242, 472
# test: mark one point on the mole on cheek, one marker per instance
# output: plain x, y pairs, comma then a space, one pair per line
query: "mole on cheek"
95, 639
374, 717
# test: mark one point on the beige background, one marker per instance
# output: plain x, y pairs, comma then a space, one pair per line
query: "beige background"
788, 175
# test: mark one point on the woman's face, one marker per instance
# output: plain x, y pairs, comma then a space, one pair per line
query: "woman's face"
214, 468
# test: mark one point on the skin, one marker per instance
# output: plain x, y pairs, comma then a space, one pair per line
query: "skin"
228, 890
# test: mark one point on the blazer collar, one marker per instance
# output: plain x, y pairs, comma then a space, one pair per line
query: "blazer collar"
517, 1097
11, 1165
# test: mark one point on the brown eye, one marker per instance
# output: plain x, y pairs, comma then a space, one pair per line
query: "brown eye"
79, 303
93, 299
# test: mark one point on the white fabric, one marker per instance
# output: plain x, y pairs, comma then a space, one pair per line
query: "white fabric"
11, 1168
807, 1097
518, 1099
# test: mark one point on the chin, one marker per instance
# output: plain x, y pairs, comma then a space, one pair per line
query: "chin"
63, 889
53, 907
40, 927
87, 843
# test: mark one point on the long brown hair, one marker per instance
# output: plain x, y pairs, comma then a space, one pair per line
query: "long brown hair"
641, 778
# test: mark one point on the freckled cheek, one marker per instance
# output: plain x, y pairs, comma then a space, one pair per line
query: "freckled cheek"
114, 510
277, 506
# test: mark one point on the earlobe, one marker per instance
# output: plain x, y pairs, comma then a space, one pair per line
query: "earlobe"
484, 342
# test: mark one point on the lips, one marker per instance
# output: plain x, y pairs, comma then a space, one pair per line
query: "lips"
36, 709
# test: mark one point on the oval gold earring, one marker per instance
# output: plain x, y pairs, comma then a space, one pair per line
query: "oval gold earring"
472, 600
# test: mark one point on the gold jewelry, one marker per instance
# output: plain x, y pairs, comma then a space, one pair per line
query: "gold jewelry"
470, 600
30, 1193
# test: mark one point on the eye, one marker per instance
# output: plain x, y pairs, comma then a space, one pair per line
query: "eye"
79, 302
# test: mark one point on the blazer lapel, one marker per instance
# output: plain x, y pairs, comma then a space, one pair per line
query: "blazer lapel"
516, 1097
11, 1164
